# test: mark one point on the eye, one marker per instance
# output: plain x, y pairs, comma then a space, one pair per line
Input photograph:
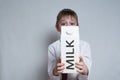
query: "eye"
63, 24
72, 24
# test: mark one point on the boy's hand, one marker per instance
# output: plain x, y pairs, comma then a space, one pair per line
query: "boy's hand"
81, 67
59, 67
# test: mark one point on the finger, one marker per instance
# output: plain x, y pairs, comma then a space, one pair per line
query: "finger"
81, 59
60, 64
80, 64
79, 67
80, 71
60, 68
59, 72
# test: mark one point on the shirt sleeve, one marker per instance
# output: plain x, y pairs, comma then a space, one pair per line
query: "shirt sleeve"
86, 53
51, 63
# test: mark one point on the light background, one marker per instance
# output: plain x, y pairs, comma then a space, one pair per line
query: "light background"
27, 28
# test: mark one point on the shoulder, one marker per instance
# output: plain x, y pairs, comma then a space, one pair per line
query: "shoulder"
84, 43
54, 44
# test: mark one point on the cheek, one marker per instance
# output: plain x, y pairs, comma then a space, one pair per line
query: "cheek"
59, 28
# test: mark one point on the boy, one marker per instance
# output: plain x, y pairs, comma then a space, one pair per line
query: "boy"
68, 17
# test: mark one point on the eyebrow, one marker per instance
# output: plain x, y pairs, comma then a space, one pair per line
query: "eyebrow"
62, 20
71, 20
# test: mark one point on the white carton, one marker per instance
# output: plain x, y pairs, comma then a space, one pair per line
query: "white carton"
70, 47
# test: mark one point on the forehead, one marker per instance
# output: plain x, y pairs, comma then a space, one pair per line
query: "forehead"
67, 17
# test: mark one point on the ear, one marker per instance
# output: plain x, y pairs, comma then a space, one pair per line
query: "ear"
77, 24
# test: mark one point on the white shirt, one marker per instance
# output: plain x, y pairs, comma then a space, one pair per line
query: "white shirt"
54, 52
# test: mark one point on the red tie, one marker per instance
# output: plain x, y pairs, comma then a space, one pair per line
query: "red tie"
64, 76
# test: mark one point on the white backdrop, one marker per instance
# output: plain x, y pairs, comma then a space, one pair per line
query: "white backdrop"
27, 28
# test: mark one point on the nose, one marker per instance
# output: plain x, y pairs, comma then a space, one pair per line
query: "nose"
68, 24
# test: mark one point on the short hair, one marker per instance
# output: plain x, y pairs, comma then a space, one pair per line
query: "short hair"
66, 12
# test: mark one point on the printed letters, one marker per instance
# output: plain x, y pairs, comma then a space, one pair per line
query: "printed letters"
70, 55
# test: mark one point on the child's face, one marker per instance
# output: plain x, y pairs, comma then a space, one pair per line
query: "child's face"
67, 21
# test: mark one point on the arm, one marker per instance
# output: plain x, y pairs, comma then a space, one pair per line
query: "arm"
55, 67
85, 63
58, 68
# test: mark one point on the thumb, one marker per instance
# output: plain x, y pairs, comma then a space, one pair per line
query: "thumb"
59, 59
81, 59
